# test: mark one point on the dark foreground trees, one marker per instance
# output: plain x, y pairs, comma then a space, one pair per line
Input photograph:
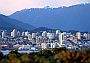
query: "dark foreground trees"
60, 55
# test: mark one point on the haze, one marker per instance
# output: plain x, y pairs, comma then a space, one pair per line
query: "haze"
7, 7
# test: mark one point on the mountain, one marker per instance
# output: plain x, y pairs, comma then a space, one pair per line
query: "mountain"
9, 24
75, 17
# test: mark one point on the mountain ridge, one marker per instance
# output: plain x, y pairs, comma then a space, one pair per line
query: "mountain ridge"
9, 24
67, 18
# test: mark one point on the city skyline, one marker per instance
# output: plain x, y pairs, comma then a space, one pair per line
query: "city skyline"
7, 7
44, 31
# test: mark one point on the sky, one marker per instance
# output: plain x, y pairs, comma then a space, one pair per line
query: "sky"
7, 7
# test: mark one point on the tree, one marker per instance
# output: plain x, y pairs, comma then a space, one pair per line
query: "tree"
25, 58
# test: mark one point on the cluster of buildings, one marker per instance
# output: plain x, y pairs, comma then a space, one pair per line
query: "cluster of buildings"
43, 40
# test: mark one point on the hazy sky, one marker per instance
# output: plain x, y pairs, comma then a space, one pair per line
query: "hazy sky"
8, 7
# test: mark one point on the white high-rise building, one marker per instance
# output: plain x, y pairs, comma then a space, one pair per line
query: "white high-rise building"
37, 39
29, 37
51, 35
18, 33
78, 34
61, 38
14, 33
44, 34
26, 33
57, 32
88, 36
11, 33
3, 34
23, 33
43, 45
85, 35
33, 35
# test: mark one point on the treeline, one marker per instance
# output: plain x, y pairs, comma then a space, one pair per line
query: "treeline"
60, 55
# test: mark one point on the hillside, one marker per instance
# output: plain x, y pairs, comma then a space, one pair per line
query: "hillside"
10, 24
67, 18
